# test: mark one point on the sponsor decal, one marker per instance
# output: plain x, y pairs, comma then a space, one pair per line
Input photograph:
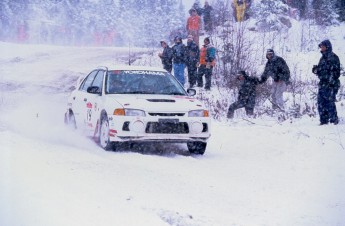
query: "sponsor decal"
89, 114
112, 132
144, 72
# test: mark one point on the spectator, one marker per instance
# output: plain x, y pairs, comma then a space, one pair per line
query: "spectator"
328, 71
207, 17
166, 56
193, 25
246, 94
247, 10
179, 59
239, 7
193, 55
207, 62
276, 68
197, 8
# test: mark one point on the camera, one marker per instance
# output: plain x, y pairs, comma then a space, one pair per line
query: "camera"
314, 70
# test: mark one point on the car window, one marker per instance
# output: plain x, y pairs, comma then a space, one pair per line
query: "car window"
88, 81
98, 81
142, 82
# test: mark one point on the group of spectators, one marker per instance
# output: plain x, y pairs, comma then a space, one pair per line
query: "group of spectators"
328, 72
199, 62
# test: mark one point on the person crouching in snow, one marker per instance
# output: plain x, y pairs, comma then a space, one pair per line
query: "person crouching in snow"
246, 94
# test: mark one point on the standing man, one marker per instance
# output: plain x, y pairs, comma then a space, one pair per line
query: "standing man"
179, 59
207, 62
166, 56
193, 56
207, 17
193, 25
328, 71
276, 68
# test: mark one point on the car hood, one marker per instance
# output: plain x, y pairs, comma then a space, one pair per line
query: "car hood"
161, 103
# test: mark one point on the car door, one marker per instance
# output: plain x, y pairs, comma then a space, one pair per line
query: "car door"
94, 100
80, 100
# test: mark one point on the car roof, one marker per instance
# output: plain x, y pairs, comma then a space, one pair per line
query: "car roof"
135, 68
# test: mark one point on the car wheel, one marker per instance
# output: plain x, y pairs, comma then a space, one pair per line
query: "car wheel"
70, 120
104, 140
197, 147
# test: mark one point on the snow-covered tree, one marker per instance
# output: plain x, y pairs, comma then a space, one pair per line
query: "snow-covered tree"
325, 12
270, 14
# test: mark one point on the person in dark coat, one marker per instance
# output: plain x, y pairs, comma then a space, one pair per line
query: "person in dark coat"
166, 56
179, 59
246, 95
207, 17
328, 71
193, 56
276, 68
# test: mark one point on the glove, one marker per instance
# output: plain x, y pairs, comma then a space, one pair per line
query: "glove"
314, 70
208, 65
197, 64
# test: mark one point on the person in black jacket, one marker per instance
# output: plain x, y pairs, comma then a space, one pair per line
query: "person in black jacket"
246, 95
207, 17
166, 56
328, 71
193, 56
276, 68
179, 59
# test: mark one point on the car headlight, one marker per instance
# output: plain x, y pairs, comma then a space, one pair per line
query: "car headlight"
198, 113
129, 112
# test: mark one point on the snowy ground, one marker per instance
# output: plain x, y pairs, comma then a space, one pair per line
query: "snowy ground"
262, 174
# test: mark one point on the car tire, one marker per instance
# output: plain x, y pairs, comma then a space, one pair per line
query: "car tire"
197, 147
104, 140
70, 120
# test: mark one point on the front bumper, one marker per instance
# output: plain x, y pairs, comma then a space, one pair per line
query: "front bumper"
156, 129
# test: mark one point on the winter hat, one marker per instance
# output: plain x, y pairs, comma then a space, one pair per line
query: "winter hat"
177, 38
241, 73
270, 51
327, 44
163, 41
207, 39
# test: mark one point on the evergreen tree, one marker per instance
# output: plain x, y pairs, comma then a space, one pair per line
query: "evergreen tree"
340, 5
269, 13
325, 12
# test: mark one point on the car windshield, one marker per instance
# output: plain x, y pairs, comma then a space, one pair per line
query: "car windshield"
142, 82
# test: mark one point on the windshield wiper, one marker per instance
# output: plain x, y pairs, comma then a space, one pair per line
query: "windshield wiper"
139, 92
177, 93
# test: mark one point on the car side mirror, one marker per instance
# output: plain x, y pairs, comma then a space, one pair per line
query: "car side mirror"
191, 92
94, 90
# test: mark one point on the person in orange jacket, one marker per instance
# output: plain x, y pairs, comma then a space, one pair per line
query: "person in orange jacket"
193, 25
207, 62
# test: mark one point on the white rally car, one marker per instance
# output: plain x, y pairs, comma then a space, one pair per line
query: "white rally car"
137, 104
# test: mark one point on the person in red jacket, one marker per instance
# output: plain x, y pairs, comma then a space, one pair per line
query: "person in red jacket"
193, 25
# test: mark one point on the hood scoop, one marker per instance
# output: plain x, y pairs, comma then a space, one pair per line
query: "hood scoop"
161, 100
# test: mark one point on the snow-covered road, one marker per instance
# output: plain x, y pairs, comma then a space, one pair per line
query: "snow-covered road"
251, 174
